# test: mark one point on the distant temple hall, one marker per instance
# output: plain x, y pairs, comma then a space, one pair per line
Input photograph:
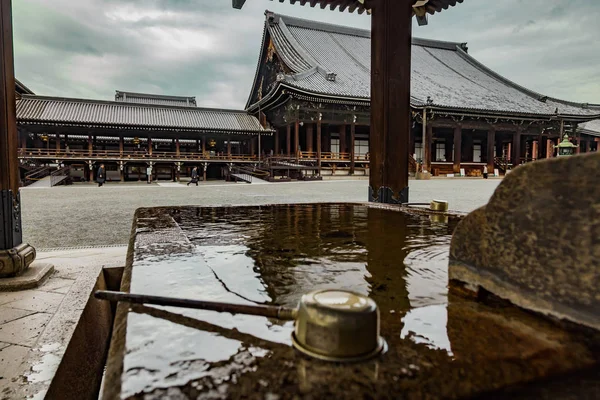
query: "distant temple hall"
307, 115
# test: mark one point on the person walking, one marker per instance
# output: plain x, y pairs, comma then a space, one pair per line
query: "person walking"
149, 174
194, 176
101, 178
485, 172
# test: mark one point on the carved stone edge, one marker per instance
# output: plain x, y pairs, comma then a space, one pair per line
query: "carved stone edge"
475, 278
34, 277
15, 261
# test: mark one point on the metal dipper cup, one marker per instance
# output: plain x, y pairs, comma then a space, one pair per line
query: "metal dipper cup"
331, 325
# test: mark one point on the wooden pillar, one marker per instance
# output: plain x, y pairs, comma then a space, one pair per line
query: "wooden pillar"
15, 257
252, 147
288, 140
296, 138
203, 147
90, 144
516, 148
319, 144
23, 139
391, 25
58, 143
427, 148
540, 142
121, 145
122, 170
149, 146
491, 142
276, 150
352, 154
177, 148
343, 148
229, 147
534, 149
457, 147
309, 138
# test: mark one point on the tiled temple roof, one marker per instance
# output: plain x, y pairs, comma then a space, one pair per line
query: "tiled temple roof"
590, 128
21, 89
442, 72
80, 112
146, 98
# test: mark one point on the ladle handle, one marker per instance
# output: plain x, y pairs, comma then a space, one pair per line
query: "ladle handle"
278, 312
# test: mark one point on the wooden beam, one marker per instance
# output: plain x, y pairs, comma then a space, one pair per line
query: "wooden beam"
10, 214
343, 138
352, 153
309, 137
427, 148
456, 158
391, 25
319, 145
296, 138
491, 143
288, 140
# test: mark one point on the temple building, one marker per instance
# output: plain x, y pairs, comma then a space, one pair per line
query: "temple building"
312, 85
307, 115
169, 133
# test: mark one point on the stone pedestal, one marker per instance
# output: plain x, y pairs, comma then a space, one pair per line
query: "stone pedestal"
15, 261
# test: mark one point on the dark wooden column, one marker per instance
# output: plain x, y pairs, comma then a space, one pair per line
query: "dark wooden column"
57, 142
229, 147
149, 146
23, 136
15, 256
309, 137
343, 139
319, 144
427, 148
121, 145
491, 143
177, 148
516, 148
391, 25
353, 156
90, 144
276, 149
296, 138
457, 147
288, 140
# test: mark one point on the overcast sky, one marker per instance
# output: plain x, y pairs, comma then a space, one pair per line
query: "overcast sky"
205, 48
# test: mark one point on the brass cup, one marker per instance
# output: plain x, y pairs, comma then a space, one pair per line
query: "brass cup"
438, 205
338, 325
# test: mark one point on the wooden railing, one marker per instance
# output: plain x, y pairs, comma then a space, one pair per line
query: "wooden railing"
116, 154
331, 156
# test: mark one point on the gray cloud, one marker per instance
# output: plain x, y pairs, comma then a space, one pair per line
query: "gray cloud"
204, 48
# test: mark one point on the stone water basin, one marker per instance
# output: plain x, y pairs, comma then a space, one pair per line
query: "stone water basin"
440, 345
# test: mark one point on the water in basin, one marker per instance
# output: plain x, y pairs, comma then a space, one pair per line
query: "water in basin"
273, 255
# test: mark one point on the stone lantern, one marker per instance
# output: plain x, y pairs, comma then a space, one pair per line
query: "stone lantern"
565, 148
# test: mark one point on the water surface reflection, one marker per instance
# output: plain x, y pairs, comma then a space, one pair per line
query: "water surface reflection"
273, 255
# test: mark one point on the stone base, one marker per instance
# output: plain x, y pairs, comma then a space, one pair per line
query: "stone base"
422, 176
15, 261
31, 278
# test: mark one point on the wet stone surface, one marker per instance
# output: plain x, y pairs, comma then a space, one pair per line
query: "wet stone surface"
440, 346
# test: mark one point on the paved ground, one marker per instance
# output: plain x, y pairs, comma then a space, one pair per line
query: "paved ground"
86, 215
36, 325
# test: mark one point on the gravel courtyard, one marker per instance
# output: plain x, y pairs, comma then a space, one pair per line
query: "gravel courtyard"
86, 215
